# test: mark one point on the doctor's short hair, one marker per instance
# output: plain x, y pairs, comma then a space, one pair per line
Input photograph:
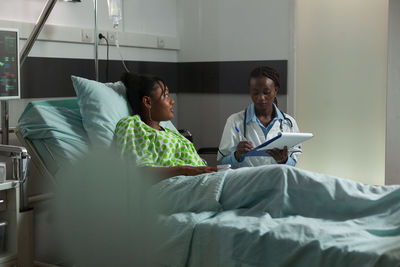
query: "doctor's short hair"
138, 86
264, 71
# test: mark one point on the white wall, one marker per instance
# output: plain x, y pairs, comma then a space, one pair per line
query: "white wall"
64, 13
150, 16
341, 65
234, 30
231, 30
393, 96
138, 17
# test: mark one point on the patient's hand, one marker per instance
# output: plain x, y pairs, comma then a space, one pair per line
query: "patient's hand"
168, 172
192, 170
242, 148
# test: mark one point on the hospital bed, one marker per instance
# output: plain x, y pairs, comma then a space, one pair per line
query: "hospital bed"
59, 132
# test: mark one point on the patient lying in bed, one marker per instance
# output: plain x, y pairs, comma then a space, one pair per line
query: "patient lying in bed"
330, 218
142, 137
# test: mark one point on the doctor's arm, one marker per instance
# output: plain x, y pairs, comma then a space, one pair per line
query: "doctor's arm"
226, 149
287, 156
230, 159
281, 156
295, 152
233, 158
291, 162
231, 148
284, 156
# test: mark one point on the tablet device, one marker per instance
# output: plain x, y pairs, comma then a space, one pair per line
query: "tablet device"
282, 139
285, 139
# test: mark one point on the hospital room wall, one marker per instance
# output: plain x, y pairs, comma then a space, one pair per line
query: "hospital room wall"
231, 30
151, 17
341, 71
393, 96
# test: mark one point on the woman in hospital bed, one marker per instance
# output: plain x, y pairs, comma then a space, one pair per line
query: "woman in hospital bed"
279, 191
142, 136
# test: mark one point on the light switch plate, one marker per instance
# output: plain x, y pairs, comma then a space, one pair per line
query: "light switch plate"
3, 172
87, 36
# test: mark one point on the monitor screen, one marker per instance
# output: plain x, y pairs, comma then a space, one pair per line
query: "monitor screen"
9, 64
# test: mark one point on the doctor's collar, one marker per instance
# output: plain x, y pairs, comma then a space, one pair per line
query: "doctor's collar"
279, 113
251, 113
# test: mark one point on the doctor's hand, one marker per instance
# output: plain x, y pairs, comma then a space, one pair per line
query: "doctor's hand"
242, 148
279, 155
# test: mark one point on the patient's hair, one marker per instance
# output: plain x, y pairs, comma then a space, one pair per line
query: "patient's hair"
138, 86
268, 72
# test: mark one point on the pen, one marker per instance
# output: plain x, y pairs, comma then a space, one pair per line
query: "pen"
241, 137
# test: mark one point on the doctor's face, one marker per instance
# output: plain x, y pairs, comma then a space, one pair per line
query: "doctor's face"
161, 104
262, 92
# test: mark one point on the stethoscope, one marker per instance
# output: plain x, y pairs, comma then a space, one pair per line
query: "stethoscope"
285, 119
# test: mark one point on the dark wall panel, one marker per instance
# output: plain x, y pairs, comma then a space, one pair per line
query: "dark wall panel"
228, 77
50, 77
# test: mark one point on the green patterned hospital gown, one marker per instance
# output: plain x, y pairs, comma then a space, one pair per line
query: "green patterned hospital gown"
151, 147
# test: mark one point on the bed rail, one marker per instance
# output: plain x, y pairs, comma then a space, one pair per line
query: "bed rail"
38, 162
36, 159
19, 158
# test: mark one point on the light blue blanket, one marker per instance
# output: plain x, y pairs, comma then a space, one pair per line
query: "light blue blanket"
277, 216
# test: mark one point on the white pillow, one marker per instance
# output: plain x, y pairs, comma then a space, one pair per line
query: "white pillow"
102, 106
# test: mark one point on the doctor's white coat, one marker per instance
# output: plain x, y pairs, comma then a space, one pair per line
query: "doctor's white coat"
231, 138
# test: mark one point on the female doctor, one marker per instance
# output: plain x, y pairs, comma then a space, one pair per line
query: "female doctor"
257, 124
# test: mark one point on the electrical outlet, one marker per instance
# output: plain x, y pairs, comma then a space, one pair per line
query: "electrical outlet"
87, 36
102, 40
160, 42
111, 36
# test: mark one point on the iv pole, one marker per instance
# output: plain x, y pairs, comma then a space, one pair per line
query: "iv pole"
96, 42
24, 54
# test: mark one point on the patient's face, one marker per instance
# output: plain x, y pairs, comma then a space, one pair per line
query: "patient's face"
262, 92
161, 104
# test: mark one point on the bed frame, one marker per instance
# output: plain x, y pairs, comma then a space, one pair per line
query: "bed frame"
38, 162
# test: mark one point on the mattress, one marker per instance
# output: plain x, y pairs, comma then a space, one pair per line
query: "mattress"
55, 130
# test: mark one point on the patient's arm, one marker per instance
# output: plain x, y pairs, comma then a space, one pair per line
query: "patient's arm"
168, 172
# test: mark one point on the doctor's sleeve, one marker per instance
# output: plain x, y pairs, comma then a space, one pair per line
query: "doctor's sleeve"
295, 152
228, 144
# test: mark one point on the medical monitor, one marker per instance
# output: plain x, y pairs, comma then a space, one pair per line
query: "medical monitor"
9, 64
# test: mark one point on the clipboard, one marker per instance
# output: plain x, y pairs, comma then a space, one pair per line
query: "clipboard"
282, 139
